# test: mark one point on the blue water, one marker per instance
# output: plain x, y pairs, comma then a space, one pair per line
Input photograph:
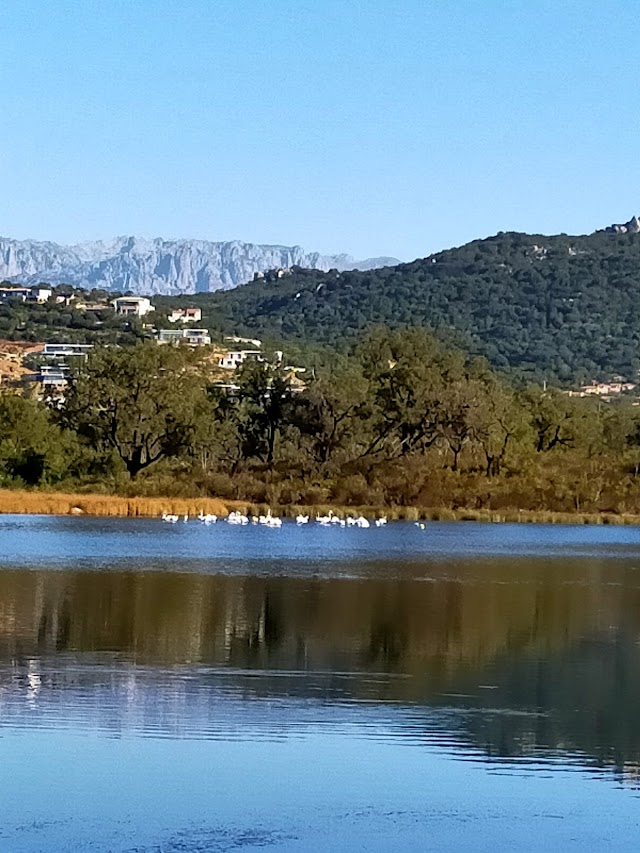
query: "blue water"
188, 688
137, 543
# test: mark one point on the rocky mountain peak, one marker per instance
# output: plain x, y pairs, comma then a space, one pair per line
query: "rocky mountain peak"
630, 227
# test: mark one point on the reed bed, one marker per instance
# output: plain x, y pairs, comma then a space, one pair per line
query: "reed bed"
524, 516
59, 503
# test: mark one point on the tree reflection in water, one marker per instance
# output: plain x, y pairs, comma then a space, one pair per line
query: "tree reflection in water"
535, 656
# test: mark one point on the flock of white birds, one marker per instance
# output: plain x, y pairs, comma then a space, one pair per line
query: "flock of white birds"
269, 520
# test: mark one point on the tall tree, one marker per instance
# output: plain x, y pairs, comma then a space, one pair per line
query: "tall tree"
146, 402
408, 372
332, 411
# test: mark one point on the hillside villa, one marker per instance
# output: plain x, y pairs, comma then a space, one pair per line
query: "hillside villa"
192, 337
603, 389
26, 294
132, 306
185, 315
233, 359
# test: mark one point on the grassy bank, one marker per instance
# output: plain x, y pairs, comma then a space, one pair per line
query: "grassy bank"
59, 503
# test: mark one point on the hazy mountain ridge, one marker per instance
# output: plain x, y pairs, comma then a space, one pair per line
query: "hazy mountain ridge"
158, 266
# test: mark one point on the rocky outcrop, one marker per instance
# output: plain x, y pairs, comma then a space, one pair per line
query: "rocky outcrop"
630, 227
158, 266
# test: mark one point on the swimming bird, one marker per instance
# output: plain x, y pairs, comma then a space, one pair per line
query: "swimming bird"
171, 519
237, 518
302, 519
269, 520
209, 518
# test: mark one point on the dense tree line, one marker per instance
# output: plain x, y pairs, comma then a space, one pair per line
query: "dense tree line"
400, 420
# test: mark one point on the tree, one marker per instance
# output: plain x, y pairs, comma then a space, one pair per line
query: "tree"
330, 411
409, 372
147, 402
501, 423
267, 395
556, 419
32, 449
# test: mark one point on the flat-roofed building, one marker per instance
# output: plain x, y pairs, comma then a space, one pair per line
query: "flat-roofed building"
132, 306
10, 293
233, 359
185, 315
192, 337
40, 294
62, 350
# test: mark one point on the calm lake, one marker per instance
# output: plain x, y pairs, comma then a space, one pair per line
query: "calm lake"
180, 688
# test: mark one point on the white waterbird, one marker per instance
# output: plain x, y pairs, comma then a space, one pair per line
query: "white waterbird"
237, 518
207, 518
269, 520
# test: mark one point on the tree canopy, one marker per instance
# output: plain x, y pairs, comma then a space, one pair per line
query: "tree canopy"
145, 402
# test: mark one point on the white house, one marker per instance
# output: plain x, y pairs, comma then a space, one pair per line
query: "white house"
63, 350
185, 315
193, 337
132, 306
40, 294
233, 359
9, 293
33, 294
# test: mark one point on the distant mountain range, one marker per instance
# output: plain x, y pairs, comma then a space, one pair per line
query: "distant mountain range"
158, 266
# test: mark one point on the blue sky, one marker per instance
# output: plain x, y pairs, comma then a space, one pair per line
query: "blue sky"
395, 127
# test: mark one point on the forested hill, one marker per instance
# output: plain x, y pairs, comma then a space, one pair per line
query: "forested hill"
565, 306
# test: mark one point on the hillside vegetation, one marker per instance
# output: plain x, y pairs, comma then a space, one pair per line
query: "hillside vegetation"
562, 307
565, 309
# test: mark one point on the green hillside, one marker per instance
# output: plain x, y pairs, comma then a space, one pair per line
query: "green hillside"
565, 307
562, 308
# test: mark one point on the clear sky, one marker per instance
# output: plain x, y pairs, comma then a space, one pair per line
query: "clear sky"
395, 127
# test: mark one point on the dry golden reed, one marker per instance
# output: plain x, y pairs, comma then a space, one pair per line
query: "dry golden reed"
58, 503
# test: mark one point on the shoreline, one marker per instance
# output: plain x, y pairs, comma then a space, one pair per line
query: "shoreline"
23, 502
